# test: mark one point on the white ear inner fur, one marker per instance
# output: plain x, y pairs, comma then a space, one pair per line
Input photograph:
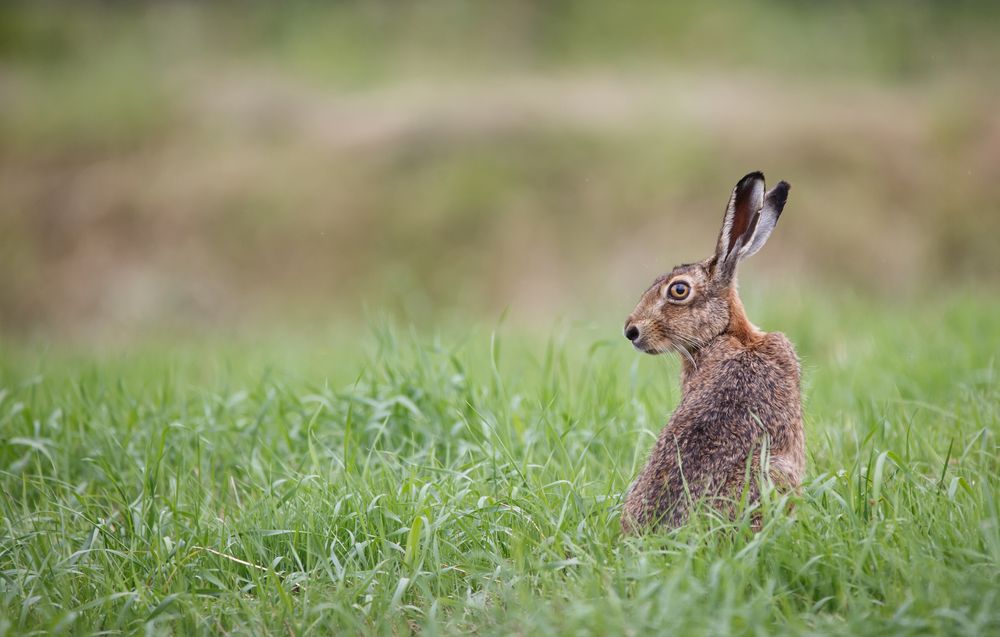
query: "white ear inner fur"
765, 226
756, 195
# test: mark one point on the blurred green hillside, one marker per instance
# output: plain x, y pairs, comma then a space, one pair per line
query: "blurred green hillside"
191, 166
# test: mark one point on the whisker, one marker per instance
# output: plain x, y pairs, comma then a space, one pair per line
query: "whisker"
687, 355
684, 351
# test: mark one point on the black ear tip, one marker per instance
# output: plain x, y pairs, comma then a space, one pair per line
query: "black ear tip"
755, 175
779, 195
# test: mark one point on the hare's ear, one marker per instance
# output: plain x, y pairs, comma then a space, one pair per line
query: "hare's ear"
738, 224
774, 203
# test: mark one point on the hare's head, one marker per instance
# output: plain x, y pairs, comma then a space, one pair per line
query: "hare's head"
694, 302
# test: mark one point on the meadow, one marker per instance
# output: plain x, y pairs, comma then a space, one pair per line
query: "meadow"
470, 481
311, 315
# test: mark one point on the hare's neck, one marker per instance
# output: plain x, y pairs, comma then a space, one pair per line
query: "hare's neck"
740, 327
689, 365
693, 360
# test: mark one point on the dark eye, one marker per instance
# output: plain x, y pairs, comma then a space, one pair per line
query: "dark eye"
679, 290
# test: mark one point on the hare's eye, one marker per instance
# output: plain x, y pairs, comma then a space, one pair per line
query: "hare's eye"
679, 290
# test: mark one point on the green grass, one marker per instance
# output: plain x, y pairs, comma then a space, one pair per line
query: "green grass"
471, 481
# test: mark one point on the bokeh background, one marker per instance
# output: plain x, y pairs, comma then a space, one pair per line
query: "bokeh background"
181, 168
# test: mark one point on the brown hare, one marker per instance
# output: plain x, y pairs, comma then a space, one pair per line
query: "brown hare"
740, 406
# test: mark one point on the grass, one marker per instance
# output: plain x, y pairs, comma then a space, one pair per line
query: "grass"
471, 481
184, 165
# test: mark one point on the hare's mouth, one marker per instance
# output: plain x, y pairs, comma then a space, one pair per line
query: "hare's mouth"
643, 346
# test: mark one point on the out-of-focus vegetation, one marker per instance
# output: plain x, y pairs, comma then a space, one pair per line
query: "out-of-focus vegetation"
507, 177
183, 164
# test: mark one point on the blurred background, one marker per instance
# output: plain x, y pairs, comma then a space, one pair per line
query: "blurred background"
194, 168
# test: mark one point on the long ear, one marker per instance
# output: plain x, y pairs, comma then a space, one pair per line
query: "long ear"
739, 222
774, 203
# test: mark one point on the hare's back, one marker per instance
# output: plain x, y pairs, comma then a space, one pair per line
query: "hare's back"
778, 402
738, 390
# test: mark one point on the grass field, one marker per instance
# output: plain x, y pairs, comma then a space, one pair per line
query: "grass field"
202, 433
470, 481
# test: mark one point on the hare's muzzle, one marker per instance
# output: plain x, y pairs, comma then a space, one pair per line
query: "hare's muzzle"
637, 336
631, 331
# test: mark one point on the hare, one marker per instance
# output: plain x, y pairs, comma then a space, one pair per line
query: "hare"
740, 406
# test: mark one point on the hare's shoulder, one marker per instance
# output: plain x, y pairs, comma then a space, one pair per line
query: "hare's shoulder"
776, 349
729, 361
737, 379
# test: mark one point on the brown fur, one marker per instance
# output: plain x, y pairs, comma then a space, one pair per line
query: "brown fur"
740, 389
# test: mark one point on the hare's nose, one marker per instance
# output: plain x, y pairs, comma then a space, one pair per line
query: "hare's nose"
631, 332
